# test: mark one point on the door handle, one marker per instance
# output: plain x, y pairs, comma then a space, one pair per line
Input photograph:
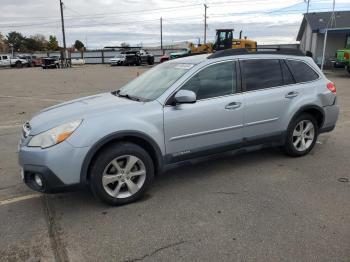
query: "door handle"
292, 94
233, 105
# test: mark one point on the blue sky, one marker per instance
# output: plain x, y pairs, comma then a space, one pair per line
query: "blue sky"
110, 22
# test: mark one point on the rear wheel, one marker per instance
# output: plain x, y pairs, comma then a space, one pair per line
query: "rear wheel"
150, 60
301, 135
121, 173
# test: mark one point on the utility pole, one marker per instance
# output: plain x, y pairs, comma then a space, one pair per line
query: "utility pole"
308, 4
333, 16
329, 25
161, 34
64, 36
205, 24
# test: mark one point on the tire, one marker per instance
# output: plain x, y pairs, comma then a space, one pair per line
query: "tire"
111, 166
19, 64
348, 69
297, 133
150, 61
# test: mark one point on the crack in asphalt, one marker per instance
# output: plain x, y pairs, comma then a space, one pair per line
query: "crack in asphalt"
156, 251
58, 248
226, 193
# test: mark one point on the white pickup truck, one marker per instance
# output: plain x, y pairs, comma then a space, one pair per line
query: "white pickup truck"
6, 60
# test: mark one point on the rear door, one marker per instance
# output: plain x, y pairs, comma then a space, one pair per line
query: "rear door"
267, 97
215, 120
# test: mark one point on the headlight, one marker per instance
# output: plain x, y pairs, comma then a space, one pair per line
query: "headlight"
55, 135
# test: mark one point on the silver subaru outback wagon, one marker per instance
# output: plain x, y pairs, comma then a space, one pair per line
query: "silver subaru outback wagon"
185, 108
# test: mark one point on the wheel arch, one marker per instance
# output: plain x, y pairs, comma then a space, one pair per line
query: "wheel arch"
136, 137
313, 110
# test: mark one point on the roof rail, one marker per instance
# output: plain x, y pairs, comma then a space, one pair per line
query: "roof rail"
258, 50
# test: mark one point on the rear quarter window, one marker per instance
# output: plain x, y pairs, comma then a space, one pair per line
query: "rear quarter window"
301, 71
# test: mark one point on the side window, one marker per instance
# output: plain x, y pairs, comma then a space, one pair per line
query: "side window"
215, 80
4, 57
287, 76
262, 73
301, 71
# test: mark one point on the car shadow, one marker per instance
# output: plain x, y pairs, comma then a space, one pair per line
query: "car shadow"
175, 175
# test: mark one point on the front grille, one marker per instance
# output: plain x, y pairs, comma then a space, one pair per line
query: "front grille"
25, 130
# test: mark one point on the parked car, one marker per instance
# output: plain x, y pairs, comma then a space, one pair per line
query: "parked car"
185, 108
6, 60
77, 61
164, 58
32, 60
51, 62
174, 55
146, 57
119, 59
132, 58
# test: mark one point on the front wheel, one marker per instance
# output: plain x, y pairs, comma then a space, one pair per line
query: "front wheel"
301, 135
121, 173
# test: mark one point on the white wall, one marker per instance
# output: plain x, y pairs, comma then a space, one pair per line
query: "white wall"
305, 42
335, 41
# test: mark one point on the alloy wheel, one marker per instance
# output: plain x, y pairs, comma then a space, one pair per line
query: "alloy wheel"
124, 176
303, 135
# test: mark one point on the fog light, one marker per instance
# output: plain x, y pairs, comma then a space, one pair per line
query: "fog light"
38, 180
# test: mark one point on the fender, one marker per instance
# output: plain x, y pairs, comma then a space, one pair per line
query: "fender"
113, 136
307, 107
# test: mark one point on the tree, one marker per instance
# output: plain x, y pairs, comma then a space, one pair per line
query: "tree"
3, 45
35, 43
79, 45
16, 39
124, 44
41, 41
53, 43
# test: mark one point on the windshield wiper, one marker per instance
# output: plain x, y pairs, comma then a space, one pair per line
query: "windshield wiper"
117, 93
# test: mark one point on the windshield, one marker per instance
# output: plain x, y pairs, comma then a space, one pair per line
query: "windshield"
151, 84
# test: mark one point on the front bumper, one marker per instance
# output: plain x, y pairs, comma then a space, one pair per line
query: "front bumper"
59, 166
50, 182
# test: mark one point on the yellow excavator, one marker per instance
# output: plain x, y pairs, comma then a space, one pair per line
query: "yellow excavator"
223, 40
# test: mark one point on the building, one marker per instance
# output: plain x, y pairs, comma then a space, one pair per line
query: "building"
313, 30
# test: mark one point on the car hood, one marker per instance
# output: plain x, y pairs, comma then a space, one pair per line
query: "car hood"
81, 108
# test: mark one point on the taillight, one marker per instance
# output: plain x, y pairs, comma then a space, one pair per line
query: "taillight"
331, 87
346, 56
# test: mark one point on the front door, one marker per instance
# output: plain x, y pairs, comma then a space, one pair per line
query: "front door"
215, 120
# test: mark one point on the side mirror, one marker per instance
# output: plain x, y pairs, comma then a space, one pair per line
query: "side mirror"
185, 97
